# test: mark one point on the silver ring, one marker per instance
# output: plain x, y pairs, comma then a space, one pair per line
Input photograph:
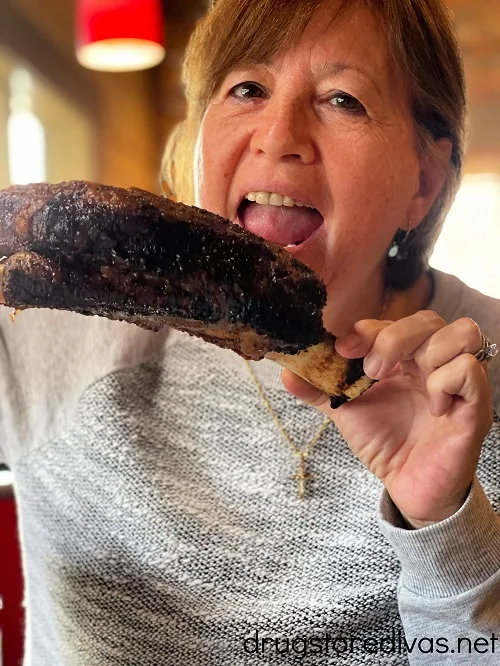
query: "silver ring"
488, 350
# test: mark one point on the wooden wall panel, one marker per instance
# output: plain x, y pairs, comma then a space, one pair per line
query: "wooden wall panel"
478, 29
129, 138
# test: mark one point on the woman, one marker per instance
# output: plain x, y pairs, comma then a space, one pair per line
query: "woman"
159, 521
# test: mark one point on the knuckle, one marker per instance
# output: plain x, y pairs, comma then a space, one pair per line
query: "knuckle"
430, 315
471, 332
384, 341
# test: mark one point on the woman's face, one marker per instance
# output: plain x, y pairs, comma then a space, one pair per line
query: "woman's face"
326, 124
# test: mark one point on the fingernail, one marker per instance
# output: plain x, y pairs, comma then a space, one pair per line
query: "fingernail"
372, 365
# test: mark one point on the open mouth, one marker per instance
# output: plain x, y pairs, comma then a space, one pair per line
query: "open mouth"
279, 219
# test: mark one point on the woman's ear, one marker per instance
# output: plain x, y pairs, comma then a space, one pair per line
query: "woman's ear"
434, 169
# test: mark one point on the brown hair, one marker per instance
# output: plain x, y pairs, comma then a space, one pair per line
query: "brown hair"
421, 37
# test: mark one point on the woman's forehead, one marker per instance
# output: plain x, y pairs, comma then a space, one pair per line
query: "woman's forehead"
333, 43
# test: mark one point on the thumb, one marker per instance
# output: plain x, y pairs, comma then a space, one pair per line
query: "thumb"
305, 392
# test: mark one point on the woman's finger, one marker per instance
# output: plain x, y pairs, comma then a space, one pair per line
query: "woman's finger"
358, 342
464, 377
461, 337
305, 392
384, 344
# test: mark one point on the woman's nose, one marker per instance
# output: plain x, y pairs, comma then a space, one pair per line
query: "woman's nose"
283, 132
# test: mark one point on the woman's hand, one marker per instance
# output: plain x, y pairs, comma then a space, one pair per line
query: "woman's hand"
421, 427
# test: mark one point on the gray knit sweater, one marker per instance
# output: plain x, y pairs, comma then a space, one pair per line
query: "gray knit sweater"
160, 526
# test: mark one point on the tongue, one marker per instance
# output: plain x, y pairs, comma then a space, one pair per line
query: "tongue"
285, 226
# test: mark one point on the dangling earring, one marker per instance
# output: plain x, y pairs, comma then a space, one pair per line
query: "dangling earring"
394, 251
397, 250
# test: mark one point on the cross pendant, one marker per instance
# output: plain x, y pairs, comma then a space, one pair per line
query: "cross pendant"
302, 474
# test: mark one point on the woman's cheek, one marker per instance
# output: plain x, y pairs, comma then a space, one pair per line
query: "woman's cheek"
220, 148
365, 187
210, 179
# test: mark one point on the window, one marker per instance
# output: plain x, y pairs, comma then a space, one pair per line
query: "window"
43, 135
470, 242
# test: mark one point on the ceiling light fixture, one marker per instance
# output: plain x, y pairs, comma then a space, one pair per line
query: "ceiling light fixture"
119, 35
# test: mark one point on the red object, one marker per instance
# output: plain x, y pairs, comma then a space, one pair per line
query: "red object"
98, 21
11, 585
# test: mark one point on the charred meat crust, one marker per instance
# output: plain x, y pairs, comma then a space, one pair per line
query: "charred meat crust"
132, 252
133, 256
149, 301
337, 401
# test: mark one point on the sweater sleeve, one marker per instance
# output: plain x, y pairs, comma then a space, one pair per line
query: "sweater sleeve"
449, 589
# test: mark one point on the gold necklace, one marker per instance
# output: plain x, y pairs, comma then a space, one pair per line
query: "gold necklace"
302, 474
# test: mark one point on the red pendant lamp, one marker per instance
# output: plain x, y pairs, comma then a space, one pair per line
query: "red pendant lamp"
119, 35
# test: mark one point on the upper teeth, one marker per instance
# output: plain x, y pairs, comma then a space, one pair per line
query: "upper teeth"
273, 199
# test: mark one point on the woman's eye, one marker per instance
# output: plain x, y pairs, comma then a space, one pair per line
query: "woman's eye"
347, 102
247, 90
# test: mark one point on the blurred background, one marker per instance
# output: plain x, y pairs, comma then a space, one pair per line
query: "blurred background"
61, 121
